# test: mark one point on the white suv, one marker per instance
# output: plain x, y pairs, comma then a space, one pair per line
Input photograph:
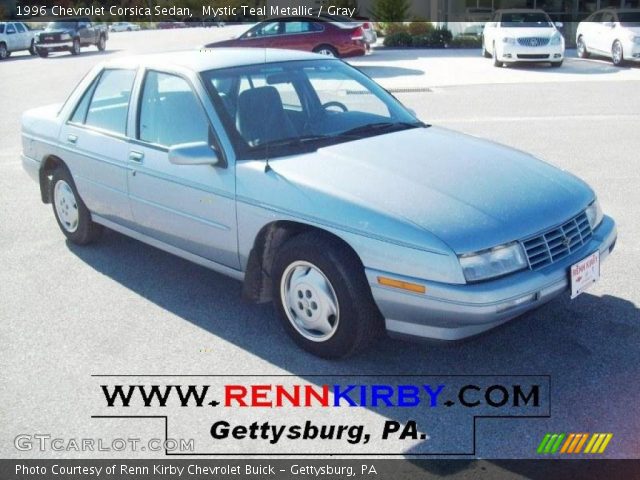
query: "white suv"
15, 36
612, 33
522, 36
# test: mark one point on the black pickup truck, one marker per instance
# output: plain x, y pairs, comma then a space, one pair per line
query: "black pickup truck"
70, 34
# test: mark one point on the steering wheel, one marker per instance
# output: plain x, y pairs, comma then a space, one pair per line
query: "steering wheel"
341, 106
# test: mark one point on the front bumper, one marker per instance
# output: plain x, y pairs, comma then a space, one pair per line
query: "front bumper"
517, 53
453, 312
56, 47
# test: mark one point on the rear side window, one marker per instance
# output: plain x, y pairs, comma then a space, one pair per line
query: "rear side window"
109, 103
20, 28
170, 112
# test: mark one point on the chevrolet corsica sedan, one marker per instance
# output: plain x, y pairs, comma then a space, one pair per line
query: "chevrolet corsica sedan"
308, 181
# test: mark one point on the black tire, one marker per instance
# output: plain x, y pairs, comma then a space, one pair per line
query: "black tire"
556, 64
494, 55
618, 60
485, 53
102, 43
327, 50
86, 230
4, 52
32, 49
75, 49
42, 52
358, 321
581, 47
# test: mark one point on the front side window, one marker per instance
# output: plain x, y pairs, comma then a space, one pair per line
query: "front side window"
1, 27
265, 30
11, 29
170, 112
109, 103
280, 108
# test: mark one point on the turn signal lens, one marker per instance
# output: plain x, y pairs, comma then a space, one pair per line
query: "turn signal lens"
393, 283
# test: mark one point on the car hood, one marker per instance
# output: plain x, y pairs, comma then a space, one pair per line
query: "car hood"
57, 31
470, 193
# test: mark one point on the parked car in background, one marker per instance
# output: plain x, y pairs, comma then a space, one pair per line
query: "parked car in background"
524, 35
304, 178
170, 25
302, 33
14, 37
613, 33
124, 27
70, 35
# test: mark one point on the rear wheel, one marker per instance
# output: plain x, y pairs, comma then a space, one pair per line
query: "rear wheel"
102, 43
617, 54
581, 46
72, 215
4, 52
75, 48
327, 50
323, 298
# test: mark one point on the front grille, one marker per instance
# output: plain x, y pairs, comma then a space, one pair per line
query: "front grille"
533, 41
532, 56
558, 242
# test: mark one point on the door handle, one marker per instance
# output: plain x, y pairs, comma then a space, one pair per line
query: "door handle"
72, 138
136, 156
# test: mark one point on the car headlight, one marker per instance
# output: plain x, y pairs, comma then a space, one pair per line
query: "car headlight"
65, 36
594, 214
556, 39
494, 262
509, 40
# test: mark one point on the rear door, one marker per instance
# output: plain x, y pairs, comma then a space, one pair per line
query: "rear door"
191, 207
86, 32
96, 147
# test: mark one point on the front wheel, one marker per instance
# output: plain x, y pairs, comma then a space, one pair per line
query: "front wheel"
75, 48
32, 49
582, 48
42, 52
322, 296
617, 55
102, 43
485, 53
496, 62
4, 52
72, 215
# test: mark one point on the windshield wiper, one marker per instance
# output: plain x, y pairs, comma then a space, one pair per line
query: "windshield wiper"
379, 127
294, 141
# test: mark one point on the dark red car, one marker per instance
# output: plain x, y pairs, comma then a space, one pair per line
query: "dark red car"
304, 33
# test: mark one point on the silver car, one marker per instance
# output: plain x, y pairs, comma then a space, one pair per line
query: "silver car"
305, 179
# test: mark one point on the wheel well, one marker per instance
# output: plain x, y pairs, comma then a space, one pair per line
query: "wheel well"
50, 164
257, 286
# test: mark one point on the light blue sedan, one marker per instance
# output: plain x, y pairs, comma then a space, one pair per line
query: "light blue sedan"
305, 179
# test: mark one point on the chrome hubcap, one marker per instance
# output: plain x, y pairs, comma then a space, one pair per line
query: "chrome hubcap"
310, 302
66, 206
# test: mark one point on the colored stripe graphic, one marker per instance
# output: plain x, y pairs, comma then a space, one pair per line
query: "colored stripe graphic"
562, 443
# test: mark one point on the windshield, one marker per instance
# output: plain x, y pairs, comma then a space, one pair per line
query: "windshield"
60, 25
528, 20
629, 19
282, 108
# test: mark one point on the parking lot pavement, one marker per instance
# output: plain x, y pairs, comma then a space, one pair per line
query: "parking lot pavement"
122, 307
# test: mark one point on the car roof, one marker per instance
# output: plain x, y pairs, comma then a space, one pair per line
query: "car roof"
212, 58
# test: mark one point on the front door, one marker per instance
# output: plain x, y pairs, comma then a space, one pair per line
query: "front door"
191, 207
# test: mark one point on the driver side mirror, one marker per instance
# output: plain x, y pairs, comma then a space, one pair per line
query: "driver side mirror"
559, 24
196, 153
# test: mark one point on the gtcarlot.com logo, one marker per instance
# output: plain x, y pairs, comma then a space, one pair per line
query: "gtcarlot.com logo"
568, 443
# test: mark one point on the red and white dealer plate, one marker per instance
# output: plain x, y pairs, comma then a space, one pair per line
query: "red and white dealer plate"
585, 273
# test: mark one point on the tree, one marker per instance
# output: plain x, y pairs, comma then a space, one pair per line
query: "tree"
390, 10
